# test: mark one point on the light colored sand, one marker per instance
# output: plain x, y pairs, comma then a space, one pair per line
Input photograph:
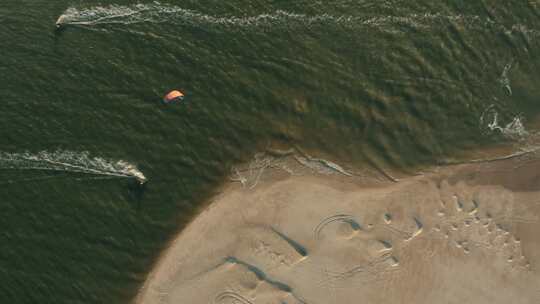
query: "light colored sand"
466, 234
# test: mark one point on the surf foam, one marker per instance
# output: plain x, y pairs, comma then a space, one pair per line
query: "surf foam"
69, 161
513, 130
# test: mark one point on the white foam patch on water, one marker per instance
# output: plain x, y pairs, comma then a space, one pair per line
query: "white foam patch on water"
160, 13
513, 129
321, 166
68, 161
504, 79
293, 162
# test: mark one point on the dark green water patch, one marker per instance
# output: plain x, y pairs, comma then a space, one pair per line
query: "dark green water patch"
393, 84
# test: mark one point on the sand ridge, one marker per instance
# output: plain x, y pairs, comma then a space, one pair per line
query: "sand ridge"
447, 237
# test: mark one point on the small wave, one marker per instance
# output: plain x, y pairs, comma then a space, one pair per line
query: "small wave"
68, 161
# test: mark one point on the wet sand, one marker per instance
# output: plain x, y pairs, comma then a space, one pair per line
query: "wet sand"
458, 234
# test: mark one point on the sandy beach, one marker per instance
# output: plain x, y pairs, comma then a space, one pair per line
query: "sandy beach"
459, 234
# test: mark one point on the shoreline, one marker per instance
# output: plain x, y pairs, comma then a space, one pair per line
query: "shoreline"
163, 271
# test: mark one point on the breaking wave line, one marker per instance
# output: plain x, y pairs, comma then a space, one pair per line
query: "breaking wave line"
68, 161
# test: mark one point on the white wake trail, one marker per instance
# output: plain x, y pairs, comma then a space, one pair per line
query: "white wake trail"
160, 13
69, 161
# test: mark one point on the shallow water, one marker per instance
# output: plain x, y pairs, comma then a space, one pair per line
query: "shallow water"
375, 83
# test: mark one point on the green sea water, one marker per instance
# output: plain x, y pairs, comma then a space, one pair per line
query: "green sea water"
392, 84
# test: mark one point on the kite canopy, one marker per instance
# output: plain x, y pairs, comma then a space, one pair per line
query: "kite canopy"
173, 96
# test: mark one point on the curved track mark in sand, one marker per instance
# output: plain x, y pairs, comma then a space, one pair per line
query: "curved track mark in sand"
346, 218
233, 296
374, 270
368, 272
